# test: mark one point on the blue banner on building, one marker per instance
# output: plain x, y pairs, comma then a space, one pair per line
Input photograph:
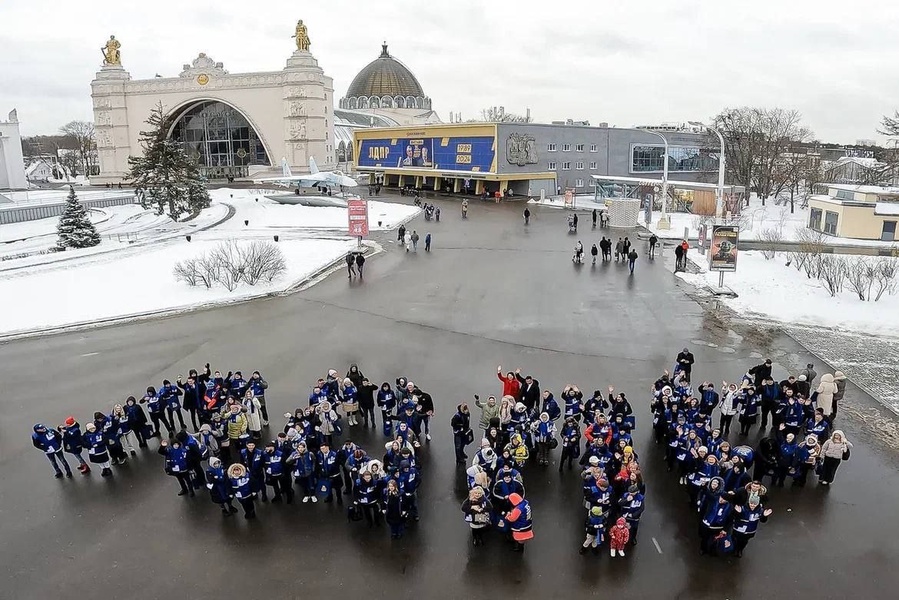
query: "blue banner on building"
447, 153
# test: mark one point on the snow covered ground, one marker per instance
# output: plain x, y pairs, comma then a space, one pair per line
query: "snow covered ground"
755, 220
771, 290
266, 214
580, 203
118, 285
118, 226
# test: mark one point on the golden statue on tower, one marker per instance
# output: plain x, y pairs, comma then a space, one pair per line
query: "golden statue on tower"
302, 37
110, 52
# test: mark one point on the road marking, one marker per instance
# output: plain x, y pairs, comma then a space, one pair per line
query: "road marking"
90, 354
656, 542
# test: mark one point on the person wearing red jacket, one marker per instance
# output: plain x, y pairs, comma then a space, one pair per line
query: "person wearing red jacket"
511, 385
619, 535
600, 429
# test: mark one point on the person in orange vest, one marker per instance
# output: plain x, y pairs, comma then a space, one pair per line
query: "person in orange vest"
519, 520
684, 246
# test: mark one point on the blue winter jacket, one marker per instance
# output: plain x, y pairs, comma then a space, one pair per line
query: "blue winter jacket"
95, 442
73, 439
274, 467
747, 521
175, 458
717, 514
408, 480
253, 461
241, 486
49, 441
386, 400
303, 464
169, 396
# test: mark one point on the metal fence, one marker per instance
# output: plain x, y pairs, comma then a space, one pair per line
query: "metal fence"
18, 214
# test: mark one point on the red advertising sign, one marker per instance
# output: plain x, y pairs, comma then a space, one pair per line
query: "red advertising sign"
357, 211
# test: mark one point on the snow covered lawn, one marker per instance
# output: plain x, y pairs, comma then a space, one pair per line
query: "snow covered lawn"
769, 289
264, 213
126, 285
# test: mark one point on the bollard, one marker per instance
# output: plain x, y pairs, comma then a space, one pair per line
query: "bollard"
276, 238
246, 222
187, 237
379, 223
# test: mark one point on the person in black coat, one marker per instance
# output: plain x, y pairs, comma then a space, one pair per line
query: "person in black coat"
529, 392
394, 508
761, 373
461, 424
685, 361
366, 396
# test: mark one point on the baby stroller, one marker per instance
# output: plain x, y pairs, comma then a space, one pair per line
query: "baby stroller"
572, 224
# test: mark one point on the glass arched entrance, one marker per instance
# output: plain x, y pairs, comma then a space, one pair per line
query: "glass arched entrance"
220, 139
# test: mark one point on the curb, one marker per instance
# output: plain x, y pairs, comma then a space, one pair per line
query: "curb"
296, 286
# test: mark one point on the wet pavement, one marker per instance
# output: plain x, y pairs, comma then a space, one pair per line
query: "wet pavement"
491, 292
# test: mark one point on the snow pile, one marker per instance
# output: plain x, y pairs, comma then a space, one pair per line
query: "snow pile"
265, 213
772, 290
140, 282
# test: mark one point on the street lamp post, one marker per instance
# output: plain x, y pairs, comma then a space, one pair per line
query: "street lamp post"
663, 220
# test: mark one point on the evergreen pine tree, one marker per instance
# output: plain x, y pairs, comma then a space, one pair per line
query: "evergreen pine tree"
75, 229
165, 177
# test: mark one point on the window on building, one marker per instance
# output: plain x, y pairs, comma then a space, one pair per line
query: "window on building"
593, 165
579, 165
552, 166
550, 147
566, 148
845, 195
578, 183
649, 158
566, 166
579, 147
814, 220
830, 222
592, 182
592, 147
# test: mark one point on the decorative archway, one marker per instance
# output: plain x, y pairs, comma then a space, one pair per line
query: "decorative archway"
222, 138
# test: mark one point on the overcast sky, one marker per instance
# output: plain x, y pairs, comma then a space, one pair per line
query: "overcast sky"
626, 63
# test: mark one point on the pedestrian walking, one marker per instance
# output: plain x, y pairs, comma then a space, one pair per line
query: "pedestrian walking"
415, 239
428, 242
653, 240
401, 233
631, 260
678, 257
407, 240
462, 433
594, 252
465, 209
594, 218
606, 247
527, 216
360, 263
350, 265
619, 249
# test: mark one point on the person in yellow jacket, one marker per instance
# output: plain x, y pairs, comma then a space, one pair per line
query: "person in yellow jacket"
518, 450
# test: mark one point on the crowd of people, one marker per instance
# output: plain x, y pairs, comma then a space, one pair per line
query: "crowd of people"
229, 413
724, 480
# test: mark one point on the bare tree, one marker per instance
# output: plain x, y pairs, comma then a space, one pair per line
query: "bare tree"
755, 140
261, 260
859, 276
231, 269
188, 271
812, 244
82, 132
208, 269
885, 276
833, 273
498, 114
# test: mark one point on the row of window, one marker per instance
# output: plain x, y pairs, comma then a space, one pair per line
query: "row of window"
567, 147
566, 166
650, 158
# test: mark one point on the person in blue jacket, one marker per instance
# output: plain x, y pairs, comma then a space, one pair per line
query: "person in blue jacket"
793, 415
330, 480
252, 458
50, 442
97, 449
170, 396
550, 406
786, 457
462, 433
408, 478
73, 442
274, 471
365, 498
749, 410
714, 520
818, 426
219, 487
241, 488
573, 397
304, 467
156, 408
259, 385
746, 522
504, 487
571, 442
176, 465
387, 404
111, 431
317, 396
595, 529
631, 506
